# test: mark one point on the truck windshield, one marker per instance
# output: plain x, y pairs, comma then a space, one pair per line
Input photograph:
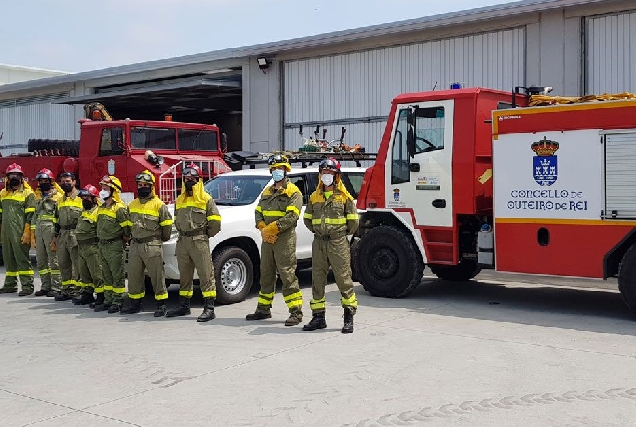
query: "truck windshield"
228, 190
147, 138
198, 140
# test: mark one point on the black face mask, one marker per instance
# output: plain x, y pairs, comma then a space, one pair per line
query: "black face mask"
144, 192
14, 182
189, 185
87, 204
45, 186
67, 187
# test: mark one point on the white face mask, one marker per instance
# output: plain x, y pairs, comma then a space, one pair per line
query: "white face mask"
327, 179
104, 194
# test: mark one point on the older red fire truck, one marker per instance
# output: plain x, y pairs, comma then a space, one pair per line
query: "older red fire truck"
521, 182
124, 148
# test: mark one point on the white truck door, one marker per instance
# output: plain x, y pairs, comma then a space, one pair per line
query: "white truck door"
422, 182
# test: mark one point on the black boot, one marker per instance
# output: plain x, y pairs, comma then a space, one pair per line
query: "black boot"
134, 308
183, 309
348, 322
317, 322
24, 293
42, 292
161, 309
84, 298
7, 290
62, 296
98, 301
258, 315
208, 310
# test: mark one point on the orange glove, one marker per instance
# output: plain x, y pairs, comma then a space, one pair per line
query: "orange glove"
54, 245
261, 225
33, 239
270, 232
26, 235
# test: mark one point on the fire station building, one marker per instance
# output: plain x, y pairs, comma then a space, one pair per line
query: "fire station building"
261, 95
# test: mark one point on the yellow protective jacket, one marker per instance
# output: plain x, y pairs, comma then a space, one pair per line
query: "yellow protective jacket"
69, 210
335, 216
150, 218
196, 214
282, 206
16, 210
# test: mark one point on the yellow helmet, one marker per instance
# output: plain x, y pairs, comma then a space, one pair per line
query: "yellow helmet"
145, 176
279, 160
111, 181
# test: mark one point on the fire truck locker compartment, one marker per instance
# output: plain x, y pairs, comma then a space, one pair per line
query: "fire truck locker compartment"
548, 198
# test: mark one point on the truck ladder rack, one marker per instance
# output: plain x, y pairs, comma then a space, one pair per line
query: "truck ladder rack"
238, 159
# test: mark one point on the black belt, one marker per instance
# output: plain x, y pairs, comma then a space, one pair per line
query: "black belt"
67, 227
330, 236
116, 239
90, 241
192, 233
145, 239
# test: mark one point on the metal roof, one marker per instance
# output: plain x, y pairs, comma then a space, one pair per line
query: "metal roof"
434, 21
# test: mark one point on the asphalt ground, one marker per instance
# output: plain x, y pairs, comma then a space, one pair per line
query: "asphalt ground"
508, 350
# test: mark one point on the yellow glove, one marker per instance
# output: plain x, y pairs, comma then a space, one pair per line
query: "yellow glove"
261, 225
270, 232
26, 236
33, 240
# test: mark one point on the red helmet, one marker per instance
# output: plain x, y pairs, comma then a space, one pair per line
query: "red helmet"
14, 168
45, 174
329, 164
88, 190
191, 170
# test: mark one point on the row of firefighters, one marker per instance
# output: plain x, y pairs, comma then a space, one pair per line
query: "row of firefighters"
80, 236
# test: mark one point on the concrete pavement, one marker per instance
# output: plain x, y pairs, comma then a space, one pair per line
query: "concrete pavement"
503, 351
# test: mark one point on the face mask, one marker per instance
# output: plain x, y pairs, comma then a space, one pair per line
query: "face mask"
67, 187
327, 179
87, 204
14, 182
278, 175
189, 185
45, 186
144, 192
104, 194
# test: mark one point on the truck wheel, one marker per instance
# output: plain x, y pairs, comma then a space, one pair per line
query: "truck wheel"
465, 270
627, 278
388, 262
234, 275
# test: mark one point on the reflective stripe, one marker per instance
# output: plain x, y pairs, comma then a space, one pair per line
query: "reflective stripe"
33, 227
293, 209
160, 297
92, 217
71, 203
108, 288
103, 211
88, 285
44, 271
259, 208
137, 296
293, 296
12, 273
29, 210
185, 293
332, 221
55, 271
165, 222
265, 299
191, 204
69, 283
352, 216
308, 215
144, 212
352, 301
118, 290
80, 284
317, 304
273, 213
126, 224
46, 217
26, 273
295, 303
15, 197
99, 290
214, 218
209, 294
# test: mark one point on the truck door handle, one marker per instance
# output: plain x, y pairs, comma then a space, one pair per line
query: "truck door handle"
439, 203
414, 167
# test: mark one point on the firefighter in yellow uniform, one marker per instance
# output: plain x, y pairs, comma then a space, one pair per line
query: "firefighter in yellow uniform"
113, 232
89, 265
197, 219
17, 206
69, 210
43, 224
277, 216
331, 215
151, 226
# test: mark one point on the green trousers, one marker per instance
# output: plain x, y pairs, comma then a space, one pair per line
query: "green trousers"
48, 266
146, 256
16, 260
112, 259
90, 268
194, 252
67, 256
280, 257
334, 253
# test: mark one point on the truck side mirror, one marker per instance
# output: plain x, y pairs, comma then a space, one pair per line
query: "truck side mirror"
410, 135
224, 142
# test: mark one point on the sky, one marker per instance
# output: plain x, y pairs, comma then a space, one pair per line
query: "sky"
74, 36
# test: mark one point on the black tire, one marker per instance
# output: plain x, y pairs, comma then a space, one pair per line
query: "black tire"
465, 270
67, 147
234, 275
627, 278
389, 263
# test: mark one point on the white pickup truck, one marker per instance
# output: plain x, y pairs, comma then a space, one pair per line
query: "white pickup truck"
236, 249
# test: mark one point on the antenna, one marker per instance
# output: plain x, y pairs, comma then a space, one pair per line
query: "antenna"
434, 86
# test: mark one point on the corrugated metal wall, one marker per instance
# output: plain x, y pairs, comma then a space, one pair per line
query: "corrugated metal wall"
355, 90
20, 123
611, 54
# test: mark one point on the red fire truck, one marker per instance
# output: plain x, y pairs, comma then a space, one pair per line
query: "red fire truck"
476, 178
124, 148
